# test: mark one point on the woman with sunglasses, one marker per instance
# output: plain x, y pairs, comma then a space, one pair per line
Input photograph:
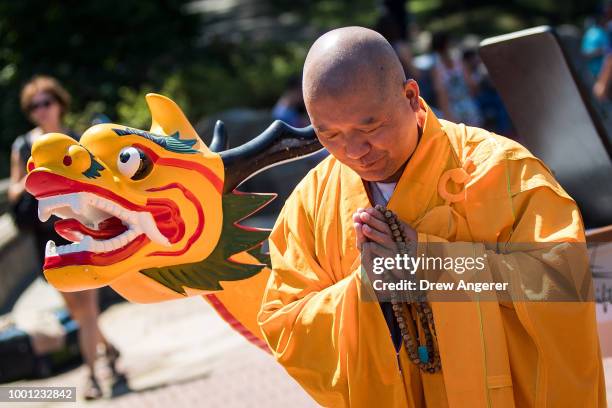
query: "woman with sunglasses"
45, 102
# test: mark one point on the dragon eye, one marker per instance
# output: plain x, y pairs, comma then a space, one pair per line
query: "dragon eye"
134, 163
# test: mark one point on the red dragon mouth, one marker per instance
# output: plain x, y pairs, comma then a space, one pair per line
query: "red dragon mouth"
104, 227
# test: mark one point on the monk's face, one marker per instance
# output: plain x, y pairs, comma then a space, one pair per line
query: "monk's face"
373, 132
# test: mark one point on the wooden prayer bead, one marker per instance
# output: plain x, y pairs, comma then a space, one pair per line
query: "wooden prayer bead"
424, 315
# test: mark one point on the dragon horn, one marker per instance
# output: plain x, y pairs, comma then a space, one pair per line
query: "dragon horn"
219, 141
279, 143
168, 119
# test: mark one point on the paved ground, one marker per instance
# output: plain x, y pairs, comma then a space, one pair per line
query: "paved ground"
177, 354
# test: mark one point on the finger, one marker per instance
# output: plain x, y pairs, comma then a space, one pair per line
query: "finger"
379, 250
357, 218
376, 236
409, 232
360, 238
356, 215
377, 214
375, 223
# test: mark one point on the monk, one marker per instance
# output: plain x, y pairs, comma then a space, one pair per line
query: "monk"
446, 183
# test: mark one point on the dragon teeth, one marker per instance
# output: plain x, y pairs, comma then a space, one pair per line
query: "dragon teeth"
132, 217
50, 249
43, 214
107, 245
150, 228
87, 244
77, 204
90, 210
46, 206
123, 239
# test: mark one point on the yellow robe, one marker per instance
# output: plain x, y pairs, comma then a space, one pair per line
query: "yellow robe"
494, 354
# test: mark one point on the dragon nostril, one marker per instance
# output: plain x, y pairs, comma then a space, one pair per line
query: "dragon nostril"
67, 160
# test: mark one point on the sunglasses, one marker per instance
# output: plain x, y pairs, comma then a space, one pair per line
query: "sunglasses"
45, 103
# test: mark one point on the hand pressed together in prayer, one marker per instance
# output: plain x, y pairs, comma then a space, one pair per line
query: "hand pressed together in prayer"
375, 240
370, 226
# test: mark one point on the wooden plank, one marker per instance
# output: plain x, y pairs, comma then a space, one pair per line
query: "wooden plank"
554, 115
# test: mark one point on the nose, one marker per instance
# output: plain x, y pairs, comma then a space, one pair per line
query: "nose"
55, 151
357, 147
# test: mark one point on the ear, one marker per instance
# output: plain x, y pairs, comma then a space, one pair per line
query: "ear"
411, 90
168, 119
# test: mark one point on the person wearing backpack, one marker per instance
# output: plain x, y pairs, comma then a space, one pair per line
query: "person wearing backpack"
45, 102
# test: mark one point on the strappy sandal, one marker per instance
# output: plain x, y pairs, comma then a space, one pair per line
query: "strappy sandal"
92, 389
112, 355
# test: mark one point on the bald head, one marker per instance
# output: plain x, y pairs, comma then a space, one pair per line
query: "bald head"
351, 59
360, 104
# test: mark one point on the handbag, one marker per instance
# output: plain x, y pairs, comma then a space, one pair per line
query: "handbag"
25, 209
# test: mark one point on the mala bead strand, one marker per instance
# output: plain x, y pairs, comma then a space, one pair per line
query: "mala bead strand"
426, 357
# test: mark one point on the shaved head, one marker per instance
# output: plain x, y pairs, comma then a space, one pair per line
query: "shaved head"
363, 109
348, 58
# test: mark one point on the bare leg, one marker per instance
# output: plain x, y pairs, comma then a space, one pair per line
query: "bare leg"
83, 307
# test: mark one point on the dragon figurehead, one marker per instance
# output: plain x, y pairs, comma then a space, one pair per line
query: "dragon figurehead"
155, 214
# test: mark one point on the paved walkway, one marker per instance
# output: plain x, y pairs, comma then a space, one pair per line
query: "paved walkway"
178, 354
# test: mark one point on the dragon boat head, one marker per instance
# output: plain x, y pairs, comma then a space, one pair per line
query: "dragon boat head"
155, 214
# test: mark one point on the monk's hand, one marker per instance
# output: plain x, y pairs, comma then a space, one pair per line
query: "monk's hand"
370, 225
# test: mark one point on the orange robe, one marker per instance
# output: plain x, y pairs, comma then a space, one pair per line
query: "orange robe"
494, 354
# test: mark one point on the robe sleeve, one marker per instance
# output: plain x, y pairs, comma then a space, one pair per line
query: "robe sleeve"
317, 325
545, 258
549, 308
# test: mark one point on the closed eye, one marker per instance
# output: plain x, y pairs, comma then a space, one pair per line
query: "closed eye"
373, 129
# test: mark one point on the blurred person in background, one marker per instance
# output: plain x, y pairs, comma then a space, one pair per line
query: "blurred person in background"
595, 43
492, 110
290, 106
454, 88
392, 24
601, 88
597, 48
290, 109
45, 103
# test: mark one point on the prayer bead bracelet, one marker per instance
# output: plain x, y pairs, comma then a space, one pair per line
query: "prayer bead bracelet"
425, 356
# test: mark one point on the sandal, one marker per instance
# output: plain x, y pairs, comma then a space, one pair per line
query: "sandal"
92, 389
112, 355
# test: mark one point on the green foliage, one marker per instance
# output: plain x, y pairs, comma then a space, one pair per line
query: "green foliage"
94, 48
132, 108
81, 120
227, 76
327, 14
487, 18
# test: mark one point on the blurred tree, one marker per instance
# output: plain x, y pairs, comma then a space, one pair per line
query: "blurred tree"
486, 17
94, 48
